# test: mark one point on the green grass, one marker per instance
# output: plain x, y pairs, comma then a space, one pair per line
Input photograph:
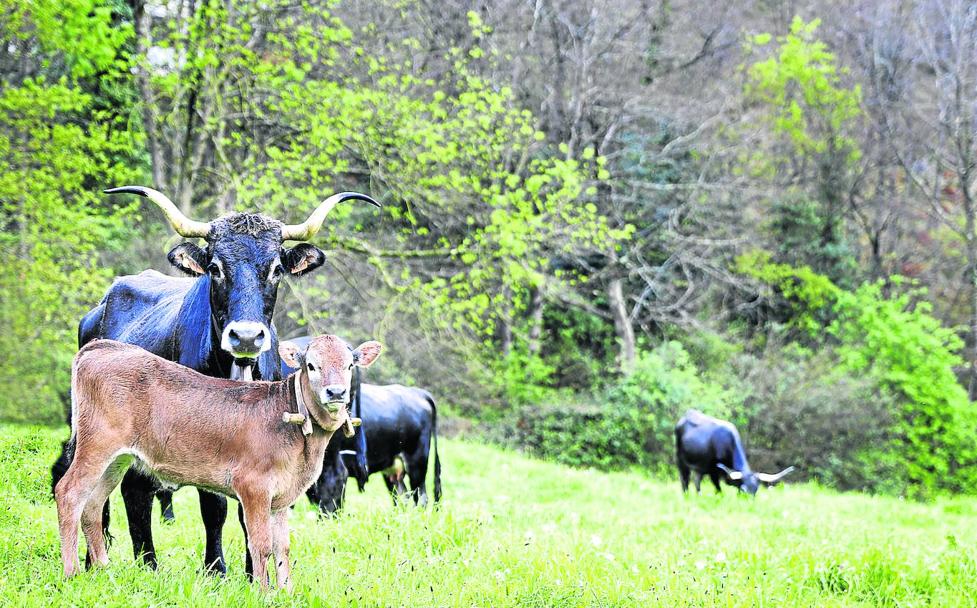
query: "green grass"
518, 532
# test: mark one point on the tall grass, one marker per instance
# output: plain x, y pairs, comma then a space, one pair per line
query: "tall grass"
518, 532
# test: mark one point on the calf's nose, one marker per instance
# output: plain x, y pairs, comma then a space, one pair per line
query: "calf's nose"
336, 392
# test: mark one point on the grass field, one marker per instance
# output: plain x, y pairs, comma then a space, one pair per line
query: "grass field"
518, 532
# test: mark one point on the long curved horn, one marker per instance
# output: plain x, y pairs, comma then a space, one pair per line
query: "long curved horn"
183, 225
733, 475
769, 479
307, 229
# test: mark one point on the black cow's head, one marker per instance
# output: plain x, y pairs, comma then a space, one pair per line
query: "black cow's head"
749, 481
244, 261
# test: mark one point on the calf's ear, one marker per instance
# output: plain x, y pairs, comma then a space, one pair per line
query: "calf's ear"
302, 258
291, 354
365, 354
189, 258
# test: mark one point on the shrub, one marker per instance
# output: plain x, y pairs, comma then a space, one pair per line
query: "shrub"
897, 345
630, 423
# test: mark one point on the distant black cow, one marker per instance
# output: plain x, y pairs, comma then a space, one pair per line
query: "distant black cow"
400, 424
707, 446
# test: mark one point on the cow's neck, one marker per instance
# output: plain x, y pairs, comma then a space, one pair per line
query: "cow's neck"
195, 337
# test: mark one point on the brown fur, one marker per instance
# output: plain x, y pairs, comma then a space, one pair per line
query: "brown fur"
191, 429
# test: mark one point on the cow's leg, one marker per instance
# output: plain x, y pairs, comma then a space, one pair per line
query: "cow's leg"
166, 506
213, 510
684, 473
312, 493
416, 465
248, 563
390, 480
256, 504
72, 493
91, 516
137, 494
280, 547
714, 477
698, 482
331, 486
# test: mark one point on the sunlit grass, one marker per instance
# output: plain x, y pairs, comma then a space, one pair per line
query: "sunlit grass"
515, 531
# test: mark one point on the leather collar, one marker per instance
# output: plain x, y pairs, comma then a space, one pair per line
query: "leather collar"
302, 407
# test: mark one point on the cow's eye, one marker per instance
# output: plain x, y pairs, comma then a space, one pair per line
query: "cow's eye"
277, 271
311, 367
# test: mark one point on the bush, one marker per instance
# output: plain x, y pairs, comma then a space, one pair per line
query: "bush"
630, 423
796, 409
896, 345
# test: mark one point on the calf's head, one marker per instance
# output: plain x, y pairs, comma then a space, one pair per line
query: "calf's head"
244, 261
326, 365
749, 481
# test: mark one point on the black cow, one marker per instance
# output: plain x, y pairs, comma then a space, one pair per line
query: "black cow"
219, 323
400, 424
708, 446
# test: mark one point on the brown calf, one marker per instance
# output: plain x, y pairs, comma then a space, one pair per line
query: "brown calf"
190, 429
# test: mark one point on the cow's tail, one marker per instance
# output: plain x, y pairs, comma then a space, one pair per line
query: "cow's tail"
434, 438
362, 472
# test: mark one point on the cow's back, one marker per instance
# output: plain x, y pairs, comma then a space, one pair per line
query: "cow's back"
702, 440
138, 309
395, 419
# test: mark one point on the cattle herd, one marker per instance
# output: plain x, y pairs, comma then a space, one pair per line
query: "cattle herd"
178, 381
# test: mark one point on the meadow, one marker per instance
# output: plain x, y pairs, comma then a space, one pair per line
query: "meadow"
514, 531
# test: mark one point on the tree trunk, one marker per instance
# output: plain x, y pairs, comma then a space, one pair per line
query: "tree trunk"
143, 40
536, 322
622, 324
972, 259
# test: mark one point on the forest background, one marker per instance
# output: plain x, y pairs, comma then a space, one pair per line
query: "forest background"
596, 214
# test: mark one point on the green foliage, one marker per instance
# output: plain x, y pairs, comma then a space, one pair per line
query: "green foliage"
802, 86
896, 342
802, 236
469, 192
631, 422
813, 118
56, 152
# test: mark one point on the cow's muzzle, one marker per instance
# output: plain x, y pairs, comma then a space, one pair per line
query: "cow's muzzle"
245, 339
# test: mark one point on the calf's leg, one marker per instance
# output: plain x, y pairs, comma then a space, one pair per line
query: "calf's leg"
256, 504
92, 514
280, 547
72, 493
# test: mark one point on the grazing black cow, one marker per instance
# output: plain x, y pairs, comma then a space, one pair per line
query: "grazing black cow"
400, 424
708, 446
219, 323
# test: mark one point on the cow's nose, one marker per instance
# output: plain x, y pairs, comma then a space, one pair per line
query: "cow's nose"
336, 392
243, 339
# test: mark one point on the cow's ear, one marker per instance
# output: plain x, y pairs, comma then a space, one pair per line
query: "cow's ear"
365, 354
189, 258
302, 258
291, 354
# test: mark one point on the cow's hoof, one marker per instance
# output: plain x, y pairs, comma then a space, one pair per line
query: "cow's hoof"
217, 568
